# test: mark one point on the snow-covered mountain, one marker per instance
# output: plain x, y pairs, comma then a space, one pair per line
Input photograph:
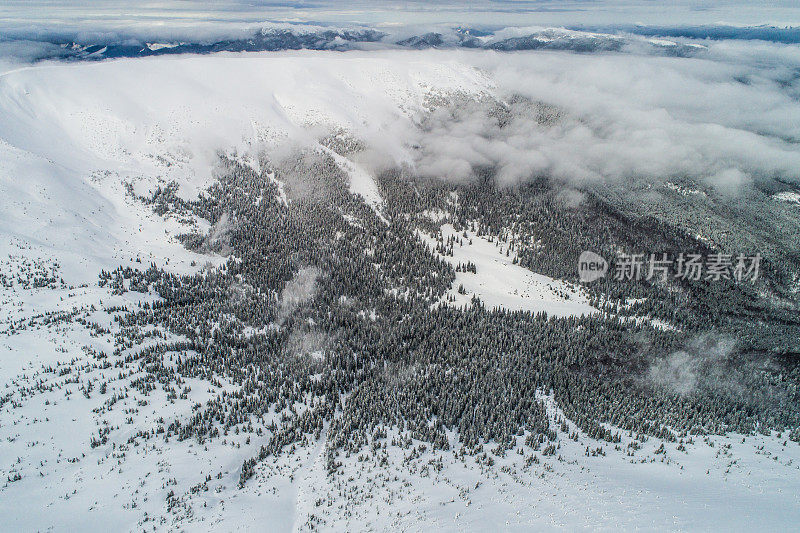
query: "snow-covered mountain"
156, 121
277, 37
680, 41
309, 289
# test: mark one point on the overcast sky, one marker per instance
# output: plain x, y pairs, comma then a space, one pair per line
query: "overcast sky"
229, 15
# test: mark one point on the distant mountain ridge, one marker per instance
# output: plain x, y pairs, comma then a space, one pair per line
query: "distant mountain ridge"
642, 39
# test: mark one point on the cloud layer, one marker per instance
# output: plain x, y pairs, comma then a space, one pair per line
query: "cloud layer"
728, 117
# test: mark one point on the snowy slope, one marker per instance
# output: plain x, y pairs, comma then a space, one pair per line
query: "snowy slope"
160, 120
718, 483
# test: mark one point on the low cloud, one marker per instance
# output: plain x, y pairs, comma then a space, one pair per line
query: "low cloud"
620, 117
304, 342
300, 289
218, 238
714, 363
701, 364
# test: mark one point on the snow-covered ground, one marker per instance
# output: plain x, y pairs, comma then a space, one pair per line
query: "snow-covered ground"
715, 484
498, 282
53, 371
49, 417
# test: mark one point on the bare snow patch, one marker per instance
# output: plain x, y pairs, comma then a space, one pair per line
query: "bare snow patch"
787, 196
498, 282
361, 182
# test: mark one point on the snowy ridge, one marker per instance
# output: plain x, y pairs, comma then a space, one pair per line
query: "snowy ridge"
279, 37
676, 40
